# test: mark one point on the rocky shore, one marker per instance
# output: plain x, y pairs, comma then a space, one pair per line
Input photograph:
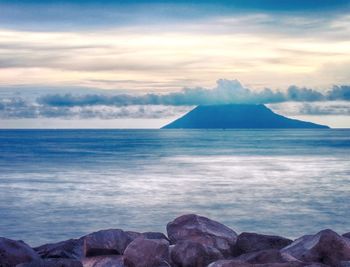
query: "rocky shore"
191, 241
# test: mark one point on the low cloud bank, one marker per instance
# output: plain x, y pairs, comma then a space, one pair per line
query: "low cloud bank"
107, 106
226, 92
314, 108
18, 108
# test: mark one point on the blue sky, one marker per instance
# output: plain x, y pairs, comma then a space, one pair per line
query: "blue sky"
161, 47
74, 14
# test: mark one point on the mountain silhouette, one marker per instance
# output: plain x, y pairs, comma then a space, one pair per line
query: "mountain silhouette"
235, 116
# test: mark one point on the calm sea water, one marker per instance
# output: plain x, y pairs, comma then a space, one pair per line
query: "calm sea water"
58, 184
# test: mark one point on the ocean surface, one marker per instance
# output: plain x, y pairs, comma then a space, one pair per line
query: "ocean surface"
59, 184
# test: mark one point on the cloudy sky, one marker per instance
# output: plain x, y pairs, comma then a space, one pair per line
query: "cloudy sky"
137, 63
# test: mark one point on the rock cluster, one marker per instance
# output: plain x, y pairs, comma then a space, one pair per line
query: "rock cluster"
191, 241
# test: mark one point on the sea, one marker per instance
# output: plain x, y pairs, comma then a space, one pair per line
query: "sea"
61, 184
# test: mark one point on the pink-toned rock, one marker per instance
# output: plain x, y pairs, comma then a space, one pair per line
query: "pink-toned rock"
326, 247
52, 263
104, 261
317, 265
148, 235
133, 235
69, 249
265, 256
236, 263
144, 252
250, 242
15, 252
154, 235
202, 230
229, 263
106, 242
188, 253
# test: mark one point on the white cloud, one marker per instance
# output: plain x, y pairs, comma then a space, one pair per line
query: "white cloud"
127, 105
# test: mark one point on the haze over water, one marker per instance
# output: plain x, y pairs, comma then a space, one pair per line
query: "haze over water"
59, 184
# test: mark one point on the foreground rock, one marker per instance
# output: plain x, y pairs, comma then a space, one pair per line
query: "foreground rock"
193, 241
155, 235
188, 253
52, 263
266, 256
106, 242
144, 252
325, 247
14, 252
147, 235
104, 261
250, 242
236, 263
207, 232
69, 249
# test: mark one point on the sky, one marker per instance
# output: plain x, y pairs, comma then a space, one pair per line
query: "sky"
140, 64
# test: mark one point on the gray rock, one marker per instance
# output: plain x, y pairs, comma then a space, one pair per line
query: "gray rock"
144, 252
14, 252
326, 247
188, 253
106, 242
69, 249
52, 263
202, 230
250, 242
104, 261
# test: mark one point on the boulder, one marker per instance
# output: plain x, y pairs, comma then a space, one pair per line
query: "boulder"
52, 263
317, 265
106, 242
229, 263
148, 235
250, 242
144, 252
14, 252
345, 264
133, 235
347, 235
154, 235
202, 230
104, 261
69, 249
187, 253
265, 256
326, 247
236, 263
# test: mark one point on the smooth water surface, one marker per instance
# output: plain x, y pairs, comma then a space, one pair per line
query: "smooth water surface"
59, 184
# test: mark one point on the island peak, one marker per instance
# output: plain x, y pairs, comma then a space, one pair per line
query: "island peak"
237, 116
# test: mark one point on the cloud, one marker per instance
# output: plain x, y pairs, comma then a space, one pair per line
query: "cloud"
314, 108
259, 48
295, 93
17, 107
226, 92
293, 101
339, 93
